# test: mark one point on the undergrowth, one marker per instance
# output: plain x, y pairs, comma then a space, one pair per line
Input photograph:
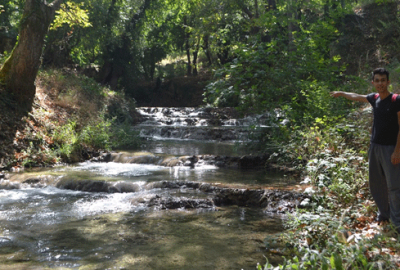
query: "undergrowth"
74, 118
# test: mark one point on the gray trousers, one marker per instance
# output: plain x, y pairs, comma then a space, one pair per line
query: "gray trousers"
384, 182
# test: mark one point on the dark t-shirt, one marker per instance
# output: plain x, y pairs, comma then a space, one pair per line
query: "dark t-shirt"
385, 127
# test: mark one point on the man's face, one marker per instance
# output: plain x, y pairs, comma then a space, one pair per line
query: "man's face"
380, 83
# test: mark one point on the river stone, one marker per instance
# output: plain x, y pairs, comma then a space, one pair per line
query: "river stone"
139, 158
103, 157
189, 161
84, 185
244, 162
171, 162
123, 187
176, 203
33, 180
145, 159
271, 201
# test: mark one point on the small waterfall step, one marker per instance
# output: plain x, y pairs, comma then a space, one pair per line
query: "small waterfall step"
210, 124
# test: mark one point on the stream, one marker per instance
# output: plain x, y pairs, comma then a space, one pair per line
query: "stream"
183, 201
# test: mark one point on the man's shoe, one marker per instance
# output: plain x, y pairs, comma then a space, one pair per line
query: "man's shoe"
381, 220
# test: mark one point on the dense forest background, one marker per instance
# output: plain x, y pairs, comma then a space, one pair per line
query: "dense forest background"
245, 54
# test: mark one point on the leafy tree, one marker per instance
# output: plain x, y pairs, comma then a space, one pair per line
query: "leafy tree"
24, 61
293, 71
10, 11
64, 37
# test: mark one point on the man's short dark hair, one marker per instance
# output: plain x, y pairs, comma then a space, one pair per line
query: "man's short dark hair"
380, 71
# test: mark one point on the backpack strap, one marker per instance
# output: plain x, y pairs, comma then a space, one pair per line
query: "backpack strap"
394, 97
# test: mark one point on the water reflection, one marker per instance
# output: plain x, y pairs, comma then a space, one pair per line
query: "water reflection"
69, 229
50, 227
193, 147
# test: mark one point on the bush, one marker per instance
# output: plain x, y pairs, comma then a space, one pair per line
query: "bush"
124, 137
97, 134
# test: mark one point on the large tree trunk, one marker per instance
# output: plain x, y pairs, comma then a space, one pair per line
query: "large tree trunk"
19, 72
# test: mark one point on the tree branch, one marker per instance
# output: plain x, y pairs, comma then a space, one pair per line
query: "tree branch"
244, 8
55, 5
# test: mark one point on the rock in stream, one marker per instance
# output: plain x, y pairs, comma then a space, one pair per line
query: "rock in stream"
212, 195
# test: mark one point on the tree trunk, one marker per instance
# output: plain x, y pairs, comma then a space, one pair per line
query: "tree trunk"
271, 5
291, 15
206, 49
187, 47
117, 57
195, 55
19, 72
256, 9
189, 63
326, 8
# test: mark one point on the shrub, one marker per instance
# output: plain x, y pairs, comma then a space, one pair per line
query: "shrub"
124, 137
97, 134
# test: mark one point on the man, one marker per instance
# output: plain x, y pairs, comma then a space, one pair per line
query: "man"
384, 151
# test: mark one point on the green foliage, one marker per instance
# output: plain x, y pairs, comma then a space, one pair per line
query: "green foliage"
72, 14
11, 12
100, 120
67, 140
270, 75
275, 52
3, 57
124, 137
335, 252
96, 134
332, 155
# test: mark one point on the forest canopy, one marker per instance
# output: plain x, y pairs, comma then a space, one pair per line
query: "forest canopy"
259, 52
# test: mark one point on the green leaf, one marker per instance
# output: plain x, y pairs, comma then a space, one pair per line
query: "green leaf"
72, 14
336, 261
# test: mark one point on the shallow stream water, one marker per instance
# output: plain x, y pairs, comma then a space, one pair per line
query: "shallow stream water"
42, 226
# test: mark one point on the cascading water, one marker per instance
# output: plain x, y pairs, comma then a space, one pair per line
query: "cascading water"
204, 124
165, 208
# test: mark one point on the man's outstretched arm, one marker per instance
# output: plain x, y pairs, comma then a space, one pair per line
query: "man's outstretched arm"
350, 96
